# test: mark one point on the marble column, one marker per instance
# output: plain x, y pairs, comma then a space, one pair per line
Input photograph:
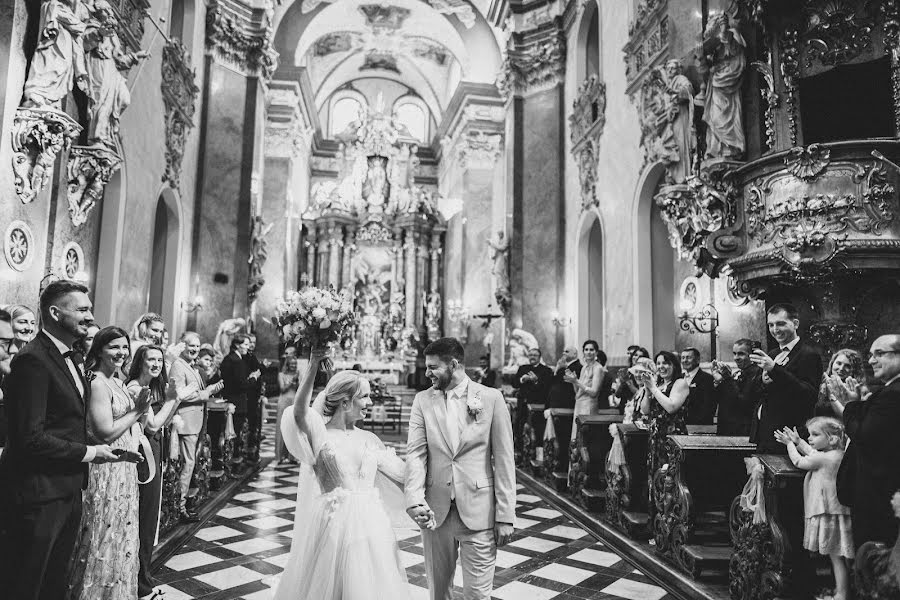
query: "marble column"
349, 249
435, 269
322, 257
335, 243
397, 270
535, 167
233, 119
421, 277
410, 243
311, 245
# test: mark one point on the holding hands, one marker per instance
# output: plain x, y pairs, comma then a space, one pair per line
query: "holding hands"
422, 515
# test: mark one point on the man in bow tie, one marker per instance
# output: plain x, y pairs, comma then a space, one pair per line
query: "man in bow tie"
461, 476
45, 465
791, 374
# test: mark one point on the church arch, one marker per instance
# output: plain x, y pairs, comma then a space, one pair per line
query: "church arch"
165, 256
589, 278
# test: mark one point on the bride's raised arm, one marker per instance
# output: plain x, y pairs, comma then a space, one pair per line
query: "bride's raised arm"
304, 391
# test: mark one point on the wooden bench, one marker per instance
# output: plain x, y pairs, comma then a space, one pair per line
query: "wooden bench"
532, 439
762, 564
702, 476
626, 486
556, 450
587, 472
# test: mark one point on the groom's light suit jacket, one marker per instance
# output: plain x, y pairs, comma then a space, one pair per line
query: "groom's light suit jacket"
481, 471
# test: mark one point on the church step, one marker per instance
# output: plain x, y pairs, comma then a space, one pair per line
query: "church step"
696, 558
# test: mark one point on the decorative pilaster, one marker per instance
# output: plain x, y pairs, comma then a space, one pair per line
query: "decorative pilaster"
535, 60
335, 243
179, 95
410, 243
349, 248
241, 38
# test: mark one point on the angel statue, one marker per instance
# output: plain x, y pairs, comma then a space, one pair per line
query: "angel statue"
724, 51
520, 342
498, 248
58, 60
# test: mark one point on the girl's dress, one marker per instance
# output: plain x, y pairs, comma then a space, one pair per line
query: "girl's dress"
828, 530
344, 547
105, 565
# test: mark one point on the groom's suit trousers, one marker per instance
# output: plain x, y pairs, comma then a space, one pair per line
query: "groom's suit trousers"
476, 549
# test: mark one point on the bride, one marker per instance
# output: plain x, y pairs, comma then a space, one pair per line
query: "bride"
343, 544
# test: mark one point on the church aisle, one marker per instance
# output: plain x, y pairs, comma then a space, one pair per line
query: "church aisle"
241, 552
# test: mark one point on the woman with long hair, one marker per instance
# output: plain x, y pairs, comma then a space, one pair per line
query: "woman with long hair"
105, 565
847, 365
588, 384
148, 371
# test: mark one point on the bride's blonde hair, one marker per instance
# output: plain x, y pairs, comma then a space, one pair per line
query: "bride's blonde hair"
345, 385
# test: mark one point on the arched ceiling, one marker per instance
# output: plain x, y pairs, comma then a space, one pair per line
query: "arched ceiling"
427, 45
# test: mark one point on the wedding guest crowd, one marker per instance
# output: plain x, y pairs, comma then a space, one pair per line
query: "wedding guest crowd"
85, 413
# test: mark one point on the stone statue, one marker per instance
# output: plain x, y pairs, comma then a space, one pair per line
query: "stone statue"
377, 181
499, 253
520, 342
433, 314
724, 50
58, 60
107, 88
259, 253
680, 113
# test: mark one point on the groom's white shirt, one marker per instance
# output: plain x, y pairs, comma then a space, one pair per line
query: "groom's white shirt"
479, 473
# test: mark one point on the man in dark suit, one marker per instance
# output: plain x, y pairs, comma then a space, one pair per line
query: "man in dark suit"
738, 392
8, 348
701, 400
239, 382
45, 464
489, 377
254, 420
791, 377
531, 382
561, 393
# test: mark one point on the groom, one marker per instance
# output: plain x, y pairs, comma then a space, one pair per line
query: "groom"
460, 478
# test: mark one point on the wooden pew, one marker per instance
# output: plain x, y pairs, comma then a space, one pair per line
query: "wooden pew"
532, 439
626, 491
878, 571
587, 472
221, 449
703, 475
556, 450
762, 565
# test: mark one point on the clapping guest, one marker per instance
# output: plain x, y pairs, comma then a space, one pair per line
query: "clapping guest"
589, 383
148, 370
625, 386
254, 396
239, 381
846, 365
105, 565
531, 382
562, 393
702, 401
739, 392
45, 463
488, 375
23, 322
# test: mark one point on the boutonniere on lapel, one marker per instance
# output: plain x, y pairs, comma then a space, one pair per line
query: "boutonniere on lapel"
474, 405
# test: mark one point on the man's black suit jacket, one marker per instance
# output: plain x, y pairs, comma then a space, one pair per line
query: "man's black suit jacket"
562, 393
701, 400
789, 401
47, 424
234, 372
737, 401
533, 392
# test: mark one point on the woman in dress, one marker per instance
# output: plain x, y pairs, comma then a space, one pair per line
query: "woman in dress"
288, 381
148, 370
844, 364
23, 323
105, 564
588, 385
343, 544
663, 404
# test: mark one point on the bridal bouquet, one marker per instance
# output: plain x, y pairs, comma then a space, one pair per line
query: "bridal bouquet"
313, 315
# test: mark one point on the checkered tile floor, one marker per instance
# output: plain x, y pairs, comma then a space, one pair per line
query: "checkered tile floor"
243, 549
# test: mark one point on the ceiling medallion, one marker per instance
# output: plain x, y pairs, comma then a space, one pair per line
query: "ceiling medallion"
18, 245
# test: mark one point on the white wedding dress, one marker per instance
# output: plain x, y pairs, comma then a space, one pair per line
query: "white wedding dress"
344, 547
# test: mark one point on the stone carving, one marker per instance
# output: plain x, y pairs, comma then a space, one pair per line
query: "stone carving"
790, 71
88, 170
58, 61
179, 95
498, 249
38, 136
288, 141
770, 98
838, 31
106, 87
259, 252
537, 66
433, 315
724, 51
586, 159
72, 261
680, 116
890, 14
18, 246
807, 163
648, 36
588, 109
479, 149
461, 9
247, 47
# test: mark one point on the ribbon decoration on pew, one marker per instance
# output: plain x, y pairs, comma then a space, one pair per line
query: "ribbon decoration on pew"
617, 451
753, 498
549, 431
229, 423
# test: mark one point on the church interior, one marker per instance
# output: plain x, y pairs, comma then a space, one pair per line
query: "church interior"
519, 175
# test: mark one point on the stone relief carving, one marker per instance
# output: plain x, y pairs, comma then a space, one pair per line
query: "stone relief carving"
648, 37
498, 250
433, 315
586, 159
724, 52
18, 246
770, 99
478, 149
131, 15
461, 9
259, 253
72, 261
807, 163
88, 170
38, 136
586, 122
248, 48
890, 14
179, 95
533, 67
665, 110
790, 71
288, 141
837, 31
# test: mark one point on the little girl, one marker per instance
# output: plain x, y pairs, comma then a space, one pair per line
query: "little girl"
827, 528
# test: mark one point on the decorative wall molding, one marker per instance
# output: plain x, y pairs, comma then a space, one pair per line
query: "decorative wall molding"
130, 26
648, 40
89, 169
18, 246
535, 61
476, 148
241, 37
179, 96
38, 136
288, 140
72, 262
586, 127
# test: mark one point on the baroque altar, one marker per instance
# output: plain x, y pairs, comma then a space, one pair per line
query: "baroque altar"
375, 232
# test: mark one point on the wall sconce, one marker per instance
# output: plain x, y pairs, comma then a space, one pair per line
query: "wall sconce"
704, 320
559, 320
191, 306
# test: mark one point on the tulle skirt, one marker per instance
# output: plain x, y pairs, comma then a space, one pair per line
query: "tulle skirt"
349, 552
829, 534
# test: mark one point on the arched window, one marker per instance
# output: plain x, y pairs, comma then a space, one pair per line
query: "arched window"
592, 51
345, 109
410, 112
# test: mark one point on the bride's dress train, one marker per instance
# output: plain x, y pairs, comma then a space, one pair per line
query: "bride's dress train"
344, 546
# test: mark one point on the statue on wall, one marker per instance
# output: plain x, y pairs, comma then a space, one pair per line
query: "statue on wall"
259, 253
498, 248
724, 51
107, 89
58, 62
433, 315
520, 342
680, 115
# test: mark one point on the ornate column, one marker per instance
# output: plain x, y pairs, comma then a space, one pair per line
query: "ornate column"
398, 271
349, 249
240, 60
335, 243
435, 269
311, 250
421, 276
322, 258
410, 244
